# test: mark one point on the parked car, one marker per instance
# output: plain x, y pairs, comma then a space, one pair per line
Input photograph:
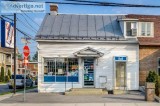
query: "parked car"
20, 81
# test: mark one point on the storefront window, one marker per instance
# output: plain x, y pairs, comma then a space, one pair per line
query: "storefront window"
61, 70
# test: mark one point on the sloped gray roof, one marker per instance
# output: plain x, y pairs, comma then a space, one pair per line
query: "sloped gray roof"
72, 26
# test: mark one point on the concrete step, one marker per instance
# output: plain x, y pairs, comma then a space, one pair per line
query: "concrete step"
116, 92
86, 91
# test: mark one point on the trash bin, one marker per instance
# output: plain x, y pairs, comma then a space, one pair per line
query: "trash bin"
149, 91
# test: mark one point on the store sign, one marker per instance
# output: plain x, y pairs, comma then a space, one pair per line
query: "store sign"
120, 58
22, 7
7, 34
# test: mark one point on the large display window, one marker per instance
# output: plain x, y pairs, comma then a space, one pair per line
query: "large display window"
61, 70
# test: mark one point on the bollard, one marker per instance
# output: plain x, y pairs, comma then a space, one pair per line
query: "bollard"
149, 91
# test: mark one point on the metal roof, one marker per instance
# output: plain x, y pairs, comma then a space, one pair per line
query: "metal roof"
86, 27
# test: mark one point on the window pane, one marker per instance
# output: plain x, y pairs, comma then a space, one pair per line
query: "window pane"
148, 29
61, 70
159, 62
61, 66
159, 71
143, 29
128, 28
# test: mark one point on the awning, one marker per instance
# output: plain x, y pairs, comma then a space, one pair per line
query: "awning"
88, 52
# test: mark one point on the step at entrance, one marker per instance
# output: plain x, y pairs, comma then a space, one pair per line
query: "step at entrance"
86, 91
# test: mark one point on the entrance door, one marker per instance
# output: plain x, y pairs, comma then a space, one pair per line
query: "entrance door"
120, 75
88, 72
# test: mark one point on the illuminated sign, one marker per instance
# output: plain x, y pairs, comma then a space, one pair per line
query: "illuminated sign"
7, 34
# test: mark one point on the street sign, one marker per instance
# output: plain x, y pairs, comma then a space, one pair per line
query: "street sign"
26, 51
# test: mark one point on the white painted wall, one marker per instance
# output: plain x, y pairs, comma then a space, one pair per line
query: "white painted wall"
105, 64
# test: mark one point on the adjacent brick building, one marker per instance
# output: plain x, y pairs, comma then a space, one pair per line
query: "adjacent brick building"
149, 47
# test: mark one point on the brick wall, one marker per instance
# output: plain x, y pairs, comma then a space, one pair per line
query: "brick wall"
149, 47
148, 61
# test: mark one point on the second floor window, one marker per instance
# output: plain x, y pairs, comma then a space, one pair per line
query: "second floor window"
131, 28
146, 29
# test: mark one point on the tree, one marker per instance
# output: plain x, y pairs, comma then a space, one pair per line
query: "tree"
20, 56
2, 74
35, 56
9, 73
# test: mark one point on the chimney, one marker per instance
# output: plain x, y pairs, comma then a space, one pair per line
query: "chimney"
53, 9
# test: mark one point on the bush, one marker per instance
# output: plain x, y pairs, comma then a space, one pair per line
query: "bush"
157, 86
2, 74
9, 73
152, 77
7, 78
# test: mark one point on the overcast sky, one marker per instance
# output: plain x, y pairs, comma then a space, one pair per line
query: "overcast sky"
74, 9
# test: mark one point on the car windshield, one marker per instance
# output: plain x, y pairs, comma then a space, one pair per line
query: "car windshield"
18, 77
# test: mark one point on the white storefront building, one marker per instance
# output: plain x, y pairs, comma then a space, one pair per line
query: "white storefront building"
78, 51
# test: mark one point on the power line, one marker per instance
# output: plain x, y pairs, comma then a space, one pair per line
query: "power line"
31, 19
95, 3
28, 23
22, 32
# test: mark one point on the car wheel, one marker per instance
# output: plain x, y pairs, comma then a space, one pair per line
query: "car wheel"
10, 87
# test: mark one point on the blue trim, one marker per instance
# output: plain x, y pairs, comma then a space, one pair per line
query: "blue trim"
49, 78
72, 78
61, 79
2, 33
120, 58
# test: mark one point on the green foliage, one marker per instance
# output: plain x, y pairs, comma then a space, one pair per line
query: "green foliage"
2, 74
152, 77
35, 57
157, 86
20, 56
9, 73
7, 78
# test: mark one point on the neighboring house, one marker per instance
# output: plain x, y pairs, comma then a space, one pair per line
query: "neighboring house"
32, 68
86, 51
148, 27
6, 55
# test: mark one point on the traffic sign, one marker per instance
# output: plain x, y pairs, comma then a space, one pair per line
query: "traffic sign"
26, 51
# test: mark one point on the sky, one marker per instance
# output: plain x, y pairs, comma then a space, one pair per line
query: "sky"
80, 9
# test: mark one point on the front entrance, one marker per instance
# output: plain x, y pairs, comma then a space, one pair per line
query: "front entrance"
121, 75
88, 72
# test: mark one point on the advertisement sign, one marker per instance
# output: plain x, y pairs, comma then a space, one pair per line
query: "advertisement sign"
22, 7
7, 34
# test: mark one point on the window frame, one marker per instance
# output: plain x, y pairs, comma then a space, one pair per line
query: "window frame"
55, 60
137, 25
140, 29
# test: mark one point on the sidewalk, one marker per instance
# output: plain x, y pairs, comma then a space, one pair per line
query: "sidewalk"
81, 104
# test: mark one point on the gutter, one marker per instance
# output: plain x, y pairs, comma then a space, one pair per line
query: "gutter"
87, 41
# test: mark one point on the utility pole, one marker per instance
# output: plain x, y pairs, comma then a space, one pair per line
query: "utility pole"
15, 53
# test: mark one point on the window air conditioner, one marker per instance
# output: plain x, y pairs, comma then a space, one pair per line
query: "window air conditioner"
134, 32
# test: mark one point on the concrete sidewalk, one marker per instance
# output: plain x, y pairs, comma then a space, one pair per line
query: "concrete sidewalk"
81, 104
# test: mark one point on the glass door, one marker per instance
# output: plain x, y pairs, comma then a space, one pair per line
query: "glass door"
88, 72
120, 75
